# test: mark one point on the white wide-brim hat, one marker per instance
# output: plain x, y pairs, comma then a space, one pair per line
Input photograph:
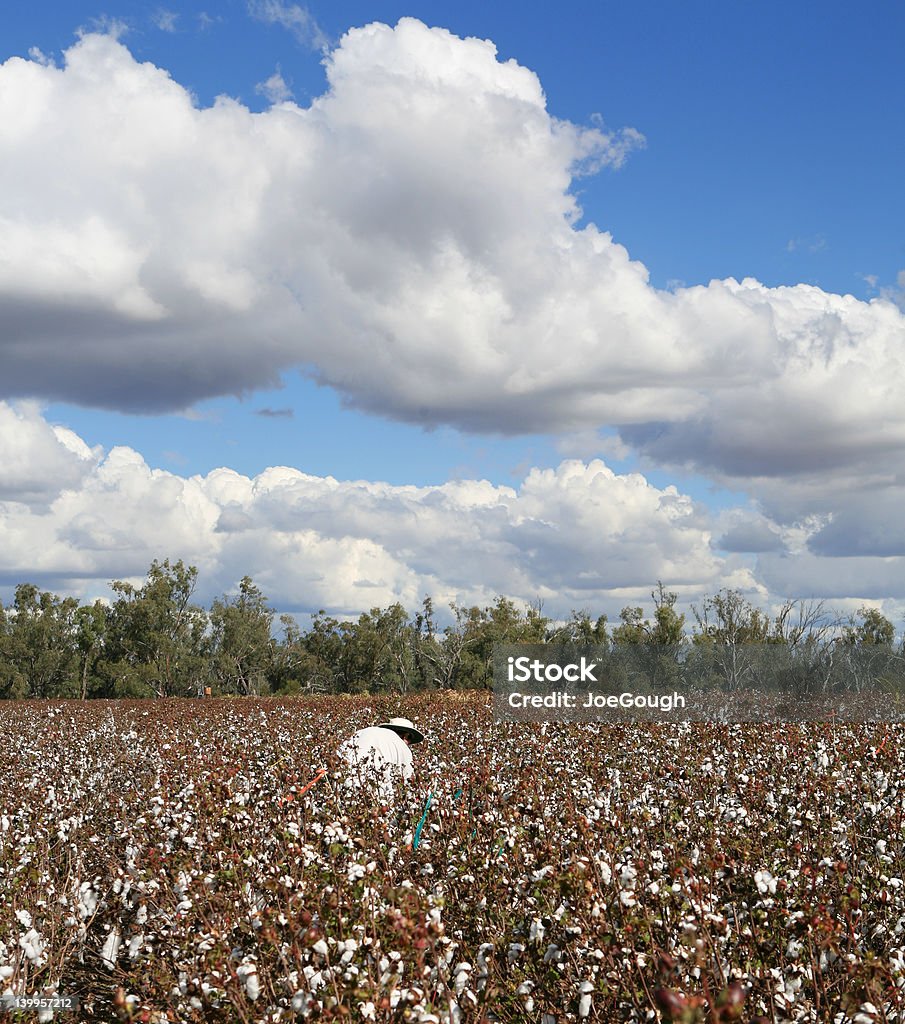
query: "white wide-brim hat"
404, 727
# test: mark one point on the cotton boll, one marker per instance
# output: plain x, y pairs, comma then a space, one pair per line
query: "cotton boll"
110, 949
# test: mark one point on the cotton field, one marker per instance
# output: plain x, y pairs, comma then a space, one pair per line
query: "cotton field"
171, 861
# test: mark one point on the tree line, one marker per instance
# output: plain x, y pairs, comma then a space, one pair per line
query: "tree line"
154, 641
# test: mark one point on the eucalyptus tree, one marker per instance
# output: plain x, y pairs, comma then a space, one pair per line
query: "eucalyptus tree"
155, 635
37, 646
241, 648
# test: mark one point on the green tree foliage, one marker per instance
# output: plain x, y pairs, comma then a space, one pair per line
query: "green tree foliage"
240, 645
294, 669
727, 624
377, 652
581, 630
153, 641
729, 618
871, 628
478, 629
648, 650
37, 645
90, 641
867, 647
155, 636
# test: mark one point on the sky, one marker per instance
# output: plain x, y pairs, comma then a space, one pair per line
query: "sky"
371, 301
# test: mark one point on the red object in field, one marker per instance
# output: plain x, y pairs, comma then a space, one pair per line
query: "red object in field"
288, 799
316, 778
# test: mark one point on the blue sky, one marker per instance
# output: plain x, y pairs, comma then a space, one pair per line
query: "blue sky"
772, 149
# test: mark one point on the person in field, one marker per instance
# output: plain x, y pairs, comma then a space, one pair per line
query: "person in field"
382, 752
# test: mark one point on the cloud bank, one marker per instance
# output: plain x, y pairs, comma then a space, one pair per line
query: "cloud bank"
576, 536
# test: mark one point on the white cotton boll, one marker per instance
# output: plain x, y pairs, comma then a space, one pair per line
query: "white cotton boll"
301, 1002
111, 948
627, 876
87, 904
765, 882
247, 973
24, 918
32, 945
252, 986
584, 1000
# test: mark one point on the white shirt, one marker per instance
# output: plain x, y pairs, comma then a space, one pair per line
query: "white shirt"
382, 752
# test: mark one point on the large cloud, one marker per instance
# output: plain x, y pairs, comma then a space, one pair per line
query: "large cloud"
577, 536
410, 237
187, 252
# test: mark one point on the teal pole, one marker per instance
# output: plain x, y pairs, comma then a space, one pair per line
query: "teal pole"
417, 836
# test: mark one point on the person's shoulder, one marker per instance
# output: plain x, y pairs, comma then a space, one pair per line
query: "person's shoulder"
357, 739
402, 750
391, 743
370, 732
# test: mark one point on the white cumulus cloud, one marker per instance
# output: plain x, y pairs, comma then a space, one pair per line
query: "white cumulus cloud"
37, 460
577, 536
397, 228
